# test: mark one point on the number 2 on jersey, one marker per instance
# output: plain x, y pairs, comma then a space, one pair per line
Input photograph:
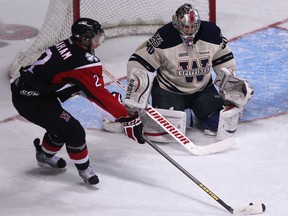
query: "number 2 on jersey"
97, 83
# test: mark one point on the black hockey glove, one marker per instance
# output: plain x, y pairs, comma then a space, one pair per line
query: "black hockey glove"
133, 127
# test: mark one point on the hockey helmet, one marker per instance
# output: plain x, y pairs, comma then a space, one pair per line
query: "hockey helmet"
84, 29
187, 21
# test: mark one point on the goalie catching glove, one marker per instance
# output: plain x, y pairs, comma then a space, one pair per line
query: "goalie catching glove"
234, 91
133, 127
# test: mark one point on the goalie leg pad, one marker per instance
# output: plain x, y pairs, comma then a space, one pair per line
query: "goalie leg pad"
228, 122
112, 126
156, 133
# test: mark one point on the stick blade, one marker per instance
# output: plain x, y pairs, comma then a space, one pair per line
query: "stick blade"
251, 209
218, 146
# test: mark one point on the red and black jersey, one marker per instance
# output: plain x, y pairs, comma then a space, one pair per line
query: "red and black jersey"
68, 66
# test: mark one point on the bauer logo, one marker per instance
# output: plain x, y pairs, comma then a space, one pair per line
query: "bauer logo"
84, 23
29, 93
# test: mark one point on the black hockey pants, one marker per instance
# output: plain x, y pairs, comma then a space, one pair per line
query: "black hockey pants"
48, 113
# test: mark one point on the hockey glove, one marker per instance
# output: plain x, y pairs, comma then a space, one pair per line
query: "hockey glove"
133, 127
234, 91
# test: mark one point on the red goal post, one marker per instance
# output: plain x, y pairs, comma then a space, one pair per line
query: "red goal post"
118, 18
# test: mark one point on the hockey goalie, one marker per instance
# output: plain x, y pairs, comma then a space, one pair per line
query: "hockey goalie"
175, 67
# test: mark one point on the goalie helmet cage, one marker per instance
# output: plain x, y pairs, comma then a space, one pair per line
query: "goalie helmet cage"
117, 17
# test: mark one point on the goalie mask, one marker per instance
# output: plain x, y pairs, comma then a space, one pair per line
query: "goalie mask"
187, 21
84, 29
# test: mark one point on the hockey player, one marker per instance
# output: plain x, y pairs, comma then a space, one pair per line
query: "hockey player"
70, 67
175, 66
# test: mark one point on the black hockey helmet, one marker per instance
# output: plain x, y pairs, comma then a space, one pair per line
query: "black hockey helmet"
84, 29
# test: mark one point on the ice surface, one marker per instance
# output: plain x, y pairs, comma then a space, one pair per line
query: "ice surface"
135, 179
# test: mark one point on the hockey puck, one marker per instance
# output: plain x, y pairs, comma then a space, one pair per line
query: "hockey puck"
17, 32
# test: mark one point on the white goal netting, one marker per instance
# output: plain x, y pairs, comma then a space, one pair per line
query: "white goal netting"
118, 18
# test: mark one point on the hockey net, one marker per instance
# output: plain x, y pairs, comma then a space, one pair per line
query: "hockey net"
118, 18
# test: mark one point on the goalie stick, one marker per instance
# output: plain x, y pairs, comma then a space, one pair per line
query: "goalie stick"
246, 210
175, 133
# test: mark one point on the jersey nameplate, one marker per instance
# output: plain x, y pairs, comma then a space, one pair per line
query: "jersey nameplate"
63, 50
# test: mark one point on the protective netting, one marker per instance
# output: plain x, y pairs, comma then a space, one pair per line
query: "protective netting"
118, 18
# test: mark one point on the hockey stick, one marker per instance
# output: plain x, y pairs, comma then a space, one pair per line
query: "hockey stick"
246, 210
175, 133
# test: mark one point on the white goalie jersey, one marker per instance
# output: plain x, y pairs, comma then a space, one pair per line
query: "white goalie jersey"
181, 69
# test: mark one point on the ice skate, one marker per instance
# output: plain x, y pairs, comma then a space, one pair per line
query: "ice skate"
89, 176
45, 161
209, 132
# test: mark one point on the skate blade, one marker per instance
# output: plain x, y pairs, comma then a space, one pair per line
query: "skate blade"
93, 186
49, 167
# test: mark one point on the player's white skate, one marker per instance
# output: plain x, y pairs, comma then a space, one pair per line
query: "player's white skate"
45, 161
89, 176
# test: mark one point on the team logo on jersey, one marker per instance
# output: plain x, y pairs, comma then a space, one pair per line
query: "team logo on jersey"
92, 58
66, 116
194, 72
193, 68
156, 40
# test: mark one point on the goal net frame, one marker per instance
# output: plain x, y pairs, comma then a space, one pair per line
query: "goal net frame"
117, 17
